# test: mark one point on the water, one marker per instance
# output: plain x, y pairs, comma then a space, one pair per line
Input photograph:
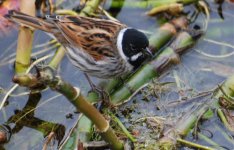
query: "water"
205, 66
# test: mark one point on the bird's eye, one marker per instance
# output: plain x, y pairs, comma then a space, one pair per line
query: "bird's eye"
133, 47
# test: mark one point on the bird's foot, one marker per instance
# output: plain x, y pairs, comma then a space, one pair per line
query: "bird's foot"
104, 95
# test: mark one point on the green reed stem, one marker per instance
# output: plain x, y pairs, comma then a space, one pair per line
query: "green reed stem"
148, 3
194, 145
123, 128
60, 53
25, 40
90, 7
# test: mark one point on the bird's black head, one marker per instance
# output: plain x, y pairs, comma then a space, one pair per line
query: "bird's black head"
135, 46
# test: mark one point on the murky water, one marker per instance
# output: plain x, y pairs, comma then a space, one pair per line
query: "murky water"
202, 68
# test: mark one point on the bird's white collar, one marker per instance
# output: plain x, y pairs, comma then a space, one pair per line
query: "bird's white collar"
119, 44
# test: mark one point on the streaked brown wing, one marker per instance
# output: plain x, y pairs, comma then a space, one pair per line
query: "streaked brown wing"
96, 36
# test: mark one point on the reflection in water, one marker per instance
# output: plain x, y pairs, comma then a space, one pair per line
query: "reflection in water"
25, 118
220, 9
44, 7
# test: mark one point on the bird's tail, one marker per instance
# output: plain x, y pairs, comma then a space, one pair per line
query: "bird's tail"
30, 21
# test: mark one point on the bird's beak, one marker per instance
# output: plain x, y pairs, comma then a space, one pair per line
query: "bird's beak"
148, 52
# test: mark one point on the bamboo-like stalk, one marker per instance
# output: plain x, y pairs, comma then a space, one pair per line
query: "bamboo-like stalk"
57, 58
84, 129
79, 101
224, 119
165, 33
151, 70
25, 39
90, 7
148, 3
173, 8
195, 145
66, 12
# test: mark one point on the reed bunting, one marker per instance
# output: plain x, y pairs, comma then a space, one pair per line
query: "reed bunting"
100, 48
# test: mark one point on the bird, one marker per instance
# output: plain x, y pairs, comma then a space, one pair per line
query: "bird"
99, 47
